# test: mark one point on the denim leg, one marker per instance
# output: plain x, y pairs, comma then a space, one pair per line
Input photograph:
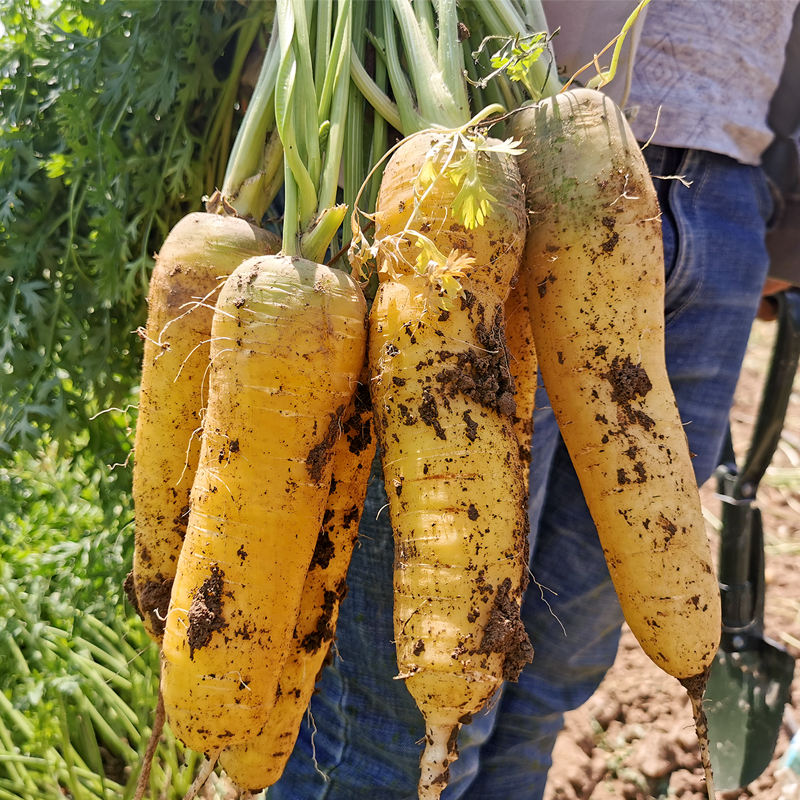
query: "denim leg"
716, 266
367, 726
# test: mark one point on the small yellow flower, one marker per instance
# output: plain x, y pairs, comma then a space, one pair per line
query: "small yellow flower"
442, 272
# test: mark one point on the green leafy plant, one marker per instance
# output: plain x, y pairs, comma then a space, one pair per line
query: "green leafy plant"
115, 119
77, 677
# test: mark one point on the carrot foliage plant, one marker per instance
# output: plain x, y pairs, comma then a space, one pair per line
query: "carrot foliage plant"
115, 119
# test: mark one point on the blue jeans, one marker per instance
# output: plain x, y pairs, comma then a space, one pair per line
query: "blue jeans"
362, 737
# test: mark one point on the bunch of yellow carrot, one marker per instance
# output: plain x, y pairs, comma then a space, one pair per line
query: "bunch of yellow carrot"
253, 444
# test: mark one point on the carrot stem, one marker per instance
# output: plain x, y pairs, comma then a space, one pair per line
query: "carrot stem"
377, 98
248, 155
437, 76
335, 95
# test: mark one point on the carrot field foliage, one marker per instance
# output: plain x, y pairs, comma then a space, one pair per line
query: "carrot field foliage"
115, 118
48, 572
78, 681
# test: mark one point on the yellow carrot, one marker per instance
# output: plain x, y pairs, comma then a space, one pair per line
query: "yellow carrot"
260, 762
444, 402
596, 280
287, 350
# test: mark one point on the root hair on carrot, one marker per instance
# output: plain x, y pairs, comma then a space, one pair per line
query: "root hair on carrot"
203, 775
313, 725
197, 432
542, 588
190, 354
243, 683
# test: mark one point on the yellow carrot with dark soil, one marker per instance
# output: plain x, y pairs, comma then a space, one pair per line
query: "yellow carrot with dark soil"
596, 278
286, 353
596, 281
449, 233
444, 404
199, 254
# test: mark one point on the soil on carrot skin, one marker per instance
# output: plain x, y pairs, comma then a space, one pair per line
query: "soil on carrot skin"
482, 374
323, 632
629, 381
130, 592
320, 454
324, 550
359, 433
205, 612
635, 738
154, 600
505, 633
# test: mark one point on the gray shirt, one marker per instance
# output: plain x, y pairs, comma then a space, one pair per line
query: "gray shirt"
705, 69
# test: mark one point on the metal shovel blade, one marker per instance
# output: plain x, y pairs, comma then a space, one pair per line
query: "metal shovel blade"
745, 698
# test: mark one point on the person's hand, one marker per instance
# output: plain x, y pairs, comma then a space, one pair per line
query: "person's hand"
768, 308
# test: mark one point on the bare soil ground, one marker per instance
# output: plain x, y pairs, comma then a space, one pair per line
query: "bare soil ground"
634, 739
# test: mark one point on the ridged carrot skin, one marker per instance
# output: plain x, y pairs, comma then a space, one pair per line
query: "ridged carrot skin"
260, 762
443, 401
288, 340
596, 281
201, 251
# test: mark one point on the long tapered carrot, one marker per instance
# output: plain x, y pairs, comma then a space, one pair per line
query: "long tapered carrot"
287, 350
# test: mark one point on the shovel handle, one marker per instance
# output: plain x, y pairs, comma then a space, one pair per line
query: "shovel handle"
775, 398
741, 555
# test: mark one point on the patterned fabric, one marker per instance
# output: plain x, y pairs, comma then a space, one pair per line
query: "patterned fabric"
705, 71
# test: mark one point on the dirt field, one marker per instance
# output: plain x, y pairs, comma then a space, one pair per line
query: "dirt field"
635, 738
